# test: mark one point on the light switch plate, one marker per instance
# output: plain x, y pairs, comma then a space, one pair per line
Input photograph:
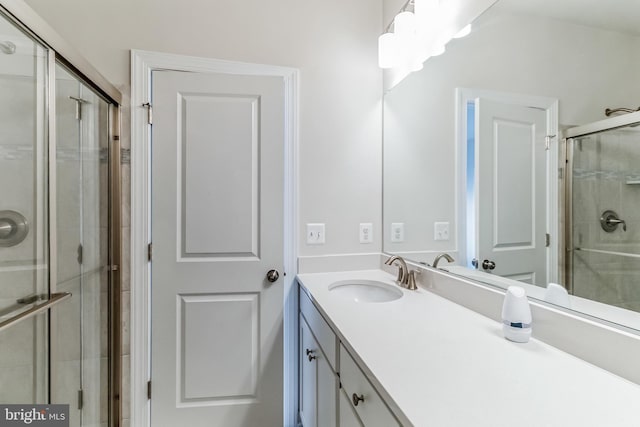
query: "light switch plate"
315, 234
397, 232
366, 232
440, 231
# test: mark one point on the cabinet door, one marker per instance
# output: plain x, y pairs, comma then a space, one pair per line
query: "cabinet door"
348, 417
326, 391
308, 378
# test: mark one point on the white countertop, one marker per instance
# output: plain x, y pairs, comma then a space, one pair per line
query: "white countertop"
445, 365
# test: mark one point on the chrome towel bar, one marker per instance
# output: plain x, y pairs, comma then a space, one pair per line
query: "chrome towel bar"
36, 309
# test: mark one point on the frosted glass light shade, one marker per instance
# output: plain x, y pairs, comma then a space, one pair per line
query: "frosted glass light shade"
425, 10
388, 50
463, 32
404, 24
438, 49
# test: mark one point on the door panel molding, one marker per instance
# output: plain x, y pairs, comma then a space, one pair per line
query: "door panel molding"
143, 63
209, 315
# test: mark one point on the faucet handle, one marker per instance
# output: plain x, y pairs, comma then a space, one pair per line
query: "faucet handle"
411, 285
400, 277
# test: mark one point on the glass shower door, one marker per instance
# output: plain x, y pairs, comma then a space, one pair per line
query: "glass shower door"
80, 336
605, 218
59, 254
24, 292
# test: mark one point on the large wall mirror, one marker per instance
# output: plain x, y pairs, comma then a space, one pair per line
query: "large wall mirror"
517, 153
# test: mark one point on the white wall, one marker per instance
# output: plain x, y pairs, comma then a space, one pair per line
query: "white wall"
333, 43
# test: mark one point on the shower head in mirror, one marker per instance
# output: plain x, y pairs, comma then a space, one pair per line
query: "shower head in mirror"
8, 47
610, 111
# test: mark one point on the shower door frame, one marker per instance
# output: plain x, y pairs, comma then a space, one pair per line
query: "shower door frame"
567, 152
59, 51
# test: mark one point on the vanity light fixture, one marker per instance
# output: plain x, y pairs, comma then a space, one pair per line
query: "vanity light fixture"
463, 32
416, 35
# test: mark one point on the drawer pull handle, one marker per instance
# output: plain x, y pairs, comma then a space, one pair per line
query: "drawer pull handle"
311, 357
357, 399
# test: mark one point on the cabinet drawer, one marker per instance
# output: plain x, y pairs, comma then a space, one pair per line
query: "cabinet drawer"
321, 331
347, 415
372, 410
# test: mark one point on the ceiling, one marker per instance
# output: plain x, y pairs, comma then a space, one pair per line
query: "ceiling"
616, 15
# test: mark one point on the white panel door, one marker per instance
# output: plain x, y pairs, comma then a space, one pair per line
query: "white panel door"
511, 190
217, 229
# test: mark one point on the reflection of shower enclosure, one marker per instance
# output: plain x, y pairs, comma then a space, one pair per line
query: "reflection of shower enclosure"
603, 211
57, 288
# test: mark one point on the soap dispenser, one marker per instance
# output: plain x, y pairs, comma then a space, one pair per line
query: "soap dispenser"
516, 315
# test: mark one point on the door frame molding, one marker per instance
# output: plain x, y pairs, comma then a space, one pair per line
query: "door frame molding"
142, 64
550, 105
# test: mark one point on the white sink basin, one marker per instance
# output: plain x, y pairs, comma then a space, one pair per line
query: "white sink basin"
365, 290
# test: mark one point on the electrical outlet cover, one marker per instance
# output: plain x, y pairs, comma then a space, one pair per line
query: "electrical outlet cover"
366, 232
397, 232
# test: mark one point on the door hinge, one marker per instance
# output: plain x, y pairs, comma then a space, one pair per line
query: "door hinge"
547, 240
149, 389
149, 252
547, 141
149, 108
80, 254
80, 399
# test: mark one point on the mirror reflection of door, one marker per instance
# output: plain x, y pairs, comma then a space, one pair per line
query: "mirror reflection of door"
507, 168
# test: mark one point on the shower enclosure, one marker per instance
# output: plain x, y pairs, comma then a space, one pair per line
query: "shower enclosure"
59, 246
603, 211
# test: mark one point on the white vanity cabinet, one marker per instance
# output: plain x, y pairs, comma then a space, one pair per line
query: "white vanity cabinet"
318, 379
333, 389
361, 395
347, 416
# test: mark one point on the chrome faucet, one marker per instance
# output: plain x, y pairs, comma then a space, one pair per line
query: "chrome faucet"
439, 257
403, 271
406, 278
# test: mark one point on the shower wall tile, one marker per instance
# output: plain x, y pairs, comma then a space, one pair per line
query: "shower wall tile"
104, 324
126, 195
21, 380
65, 385
125, 200
24, 282
104, 390
126, 321
94, 385
126, 387
21, 338
630, 205
126, 259
17, 176
67, 323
